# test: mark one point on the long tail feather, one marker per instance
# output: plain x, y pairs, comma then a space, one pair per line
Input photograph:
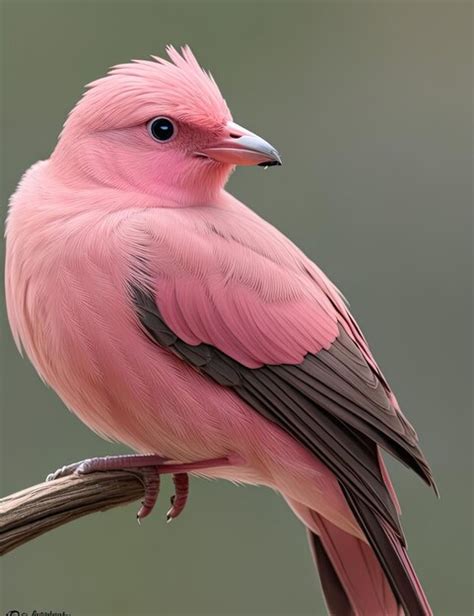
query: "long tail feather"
393, 558
360, 578
336, 597
359, 572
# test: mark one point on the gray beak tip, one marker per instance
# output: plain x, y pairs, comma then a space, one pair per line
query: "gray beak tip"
271, 163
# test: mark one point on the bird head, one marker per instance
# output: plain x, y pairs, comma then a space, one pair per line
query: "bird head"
157, 126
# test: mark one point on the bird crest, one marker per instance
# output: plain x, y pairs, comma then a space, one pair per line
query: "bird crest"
134, 92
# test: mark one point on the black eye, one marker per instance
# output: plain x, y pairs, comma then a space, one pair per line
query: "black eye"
161, 129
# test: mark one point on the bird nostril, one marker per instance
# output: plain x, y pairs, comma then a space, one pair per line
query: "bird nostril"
234, 136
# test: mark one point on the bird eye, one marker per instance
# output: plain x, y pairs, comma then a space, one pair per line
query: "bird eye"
161, 129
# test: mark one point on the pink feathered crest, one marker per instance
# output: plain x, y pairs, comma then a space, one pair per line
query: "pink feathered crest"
134, 92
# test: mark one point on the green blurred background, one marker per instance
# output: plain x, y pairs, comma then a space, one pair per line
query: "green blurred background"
370, 106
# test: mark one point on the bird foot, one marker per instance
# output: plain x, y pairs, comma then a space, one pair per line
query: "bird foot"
148, 468
108, 463
180, 497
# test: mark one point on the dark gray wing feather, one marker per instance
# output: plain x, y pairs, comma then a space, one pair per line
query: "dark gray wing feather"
338, 407
332, 403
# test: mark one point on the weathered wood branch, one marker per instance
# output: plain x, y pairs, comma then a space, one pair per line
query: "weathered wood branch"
40, 508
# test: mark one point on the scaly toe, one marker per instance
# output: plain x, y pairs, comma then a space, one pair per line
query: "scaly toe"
151, 482
64, 471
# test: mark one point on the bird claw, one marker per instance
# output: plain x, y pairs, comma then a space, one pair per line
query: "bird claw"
148, 467
149, 475
179, 499
65, 471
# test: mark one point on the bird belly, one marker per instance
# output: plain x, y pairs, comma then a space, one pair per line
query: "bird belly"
127, 389
75, 320
161, 405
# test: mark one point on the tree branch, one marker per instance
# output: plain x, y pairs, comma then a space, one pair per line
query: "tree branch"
40, 508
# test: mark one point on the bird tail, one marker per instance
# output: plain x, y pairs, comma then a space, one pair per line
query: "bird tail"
360, 578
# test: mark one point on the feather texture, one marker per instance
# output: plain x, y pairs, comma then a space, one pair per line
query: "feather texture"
170, 317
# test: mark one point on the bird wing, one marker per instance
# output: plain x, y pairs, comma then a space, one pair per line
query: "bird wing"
234, 298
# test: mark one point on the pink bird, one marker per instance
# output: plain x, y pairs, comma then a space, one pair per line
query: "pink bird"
170, 317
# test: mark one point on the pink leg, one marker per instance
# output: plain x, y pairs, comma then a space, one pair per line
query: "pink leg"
178, 501
151, 482
150, 467
108, 463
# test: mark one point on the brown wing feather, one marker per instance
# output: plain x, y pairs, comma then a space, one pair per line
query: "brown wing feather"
333, 403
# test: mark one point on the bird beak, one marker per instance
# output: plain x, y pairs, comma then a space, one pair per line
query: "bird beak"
241, 147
